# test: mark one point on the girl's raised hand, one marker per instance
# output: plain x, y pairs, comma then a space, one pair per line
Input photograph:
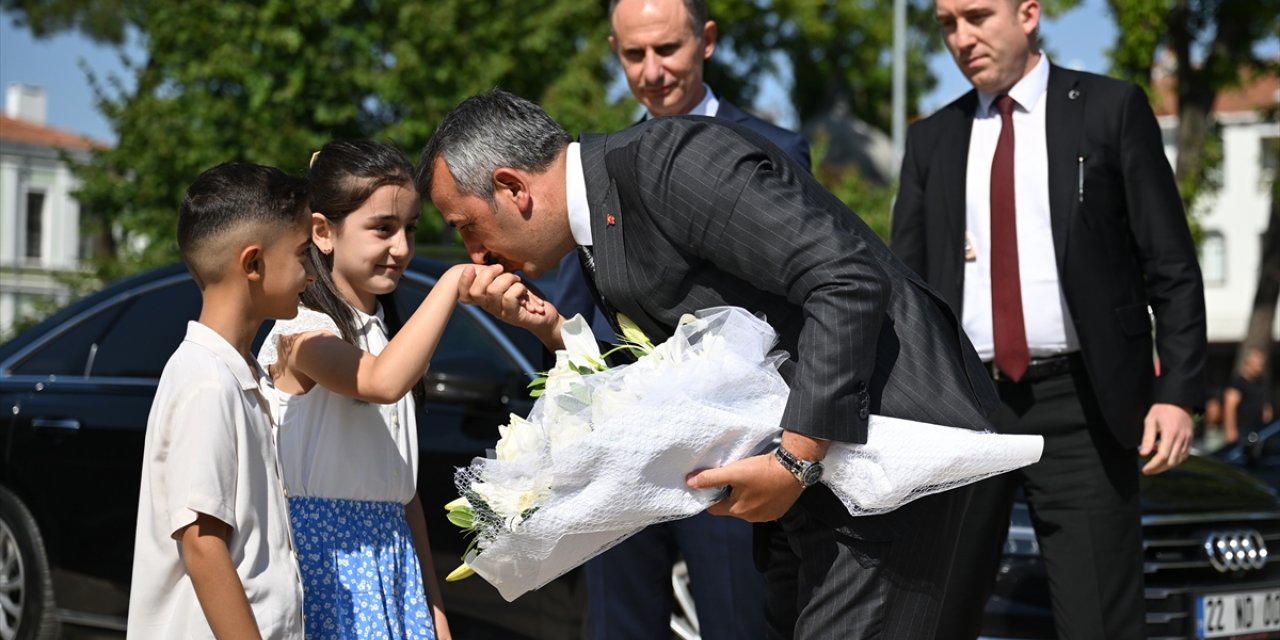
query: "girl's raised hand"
507, 298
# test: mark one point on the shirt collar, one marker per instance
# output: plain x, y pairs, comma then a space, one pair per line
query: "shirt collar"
708, 106
1026, 92
576, 196
206, 337
365, 320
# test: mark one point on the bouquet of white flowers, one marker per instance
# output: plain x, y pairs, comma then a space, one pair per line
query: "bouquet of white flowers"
605, 451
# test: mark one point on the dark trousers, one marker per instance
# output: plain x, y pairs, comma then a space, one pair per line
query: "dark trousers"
629, 594
1083, 501
866, 577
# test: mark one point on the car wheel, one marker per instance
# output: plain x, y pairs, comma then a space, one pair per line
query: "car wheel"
684, 619
26, 586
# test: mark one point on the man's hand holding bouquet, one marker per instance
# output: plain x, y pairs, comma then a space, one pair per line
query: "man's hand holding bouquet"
607, 451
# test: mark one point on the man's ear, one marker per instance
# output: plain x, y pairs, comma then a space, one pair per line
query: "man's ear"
613, 44
251, 262
512, 184
708, 39
322, 233
1029, 15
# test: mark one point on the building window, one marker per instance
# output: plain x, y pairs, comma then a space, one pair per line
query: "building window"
1213, 258
35, 223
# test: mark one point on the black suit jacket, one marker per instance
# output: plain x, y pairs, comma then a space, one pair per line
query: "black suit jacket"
1120, 237
572, 295
707, 213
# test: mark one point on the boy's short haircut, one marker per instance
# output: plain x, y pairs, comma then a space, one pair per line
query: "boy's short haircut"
233, 203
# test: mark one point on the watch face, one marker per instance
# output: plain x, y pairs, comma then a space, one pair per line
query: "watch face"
811, 475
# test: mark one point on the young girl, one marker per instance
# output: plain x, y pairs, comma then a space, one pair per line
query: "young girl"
348, 439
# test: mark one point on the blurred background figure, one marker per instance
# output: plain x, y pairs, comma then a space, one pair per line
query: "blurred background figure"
1245, 406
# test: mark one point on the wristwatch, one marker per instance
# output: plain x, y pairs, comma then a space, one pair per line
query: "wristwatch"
808, 472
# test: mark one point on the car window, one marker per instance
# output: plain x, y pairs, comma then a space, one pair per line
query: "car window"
147, 332
132, 338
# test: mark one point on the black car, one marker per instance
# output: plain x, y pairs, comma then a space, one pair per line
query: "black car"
1207, 528
78, 387
1259, 453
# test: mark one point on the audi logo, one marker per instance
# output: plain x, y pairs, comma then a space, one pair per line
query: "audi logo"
1236, 550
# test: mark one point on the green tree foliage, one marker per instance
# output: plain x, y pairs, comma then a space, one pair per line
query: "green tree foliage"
1212, 45
270, 81
872, 201
837, 50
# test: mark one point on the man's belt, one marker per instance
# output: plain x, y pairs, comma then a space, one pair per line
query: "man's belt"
1041, 368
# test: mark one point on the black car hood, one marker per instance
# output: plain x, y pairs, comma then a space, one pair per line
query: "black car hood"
1206, 484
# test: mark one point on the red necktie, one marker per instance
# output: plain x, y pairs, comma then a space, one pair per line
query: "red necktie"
1012, 355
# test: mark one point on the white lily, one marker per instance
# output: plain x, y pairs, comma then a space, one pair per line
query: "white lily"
580, 344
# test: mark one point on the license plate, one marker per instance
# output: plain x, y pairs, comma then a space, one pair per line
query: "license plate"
1222, 615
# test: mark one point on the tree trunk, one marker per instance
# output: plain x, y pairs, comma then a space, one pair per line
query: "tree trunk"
1196, 94
1262, 317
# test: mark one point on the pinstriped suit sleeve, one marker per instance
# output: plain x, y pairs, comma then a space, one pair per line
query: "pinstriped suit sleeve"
763, 220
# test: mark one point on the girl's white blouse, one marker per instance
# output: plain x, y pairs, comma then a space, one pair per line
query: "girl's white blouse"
333, 446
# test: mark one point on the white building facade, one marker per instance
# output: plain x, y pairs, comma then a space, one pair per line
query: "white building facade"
40, 237
1233, 219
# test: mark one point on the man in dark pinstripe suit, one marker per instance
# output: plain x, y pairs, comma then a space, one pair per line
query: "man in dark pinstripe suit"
681, 214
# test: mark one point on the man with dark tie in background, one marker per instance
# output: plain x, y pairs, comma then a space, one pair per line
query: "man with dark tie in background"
1042, 208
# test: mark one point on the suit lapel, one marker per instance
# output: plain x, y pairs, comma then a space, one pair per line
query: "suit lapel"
1064, 130
953, 163
730, 112
608, 235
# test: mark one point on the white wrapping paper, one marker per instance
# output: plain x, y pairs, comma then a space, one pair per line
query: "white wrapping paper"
605, 454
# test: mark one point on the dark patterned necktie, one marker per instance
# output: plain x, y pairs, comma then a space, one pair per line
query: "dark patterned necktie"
588, 260
1012, 355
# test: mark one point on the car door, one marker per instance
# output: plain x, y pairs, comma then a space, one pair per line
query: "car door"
76, 438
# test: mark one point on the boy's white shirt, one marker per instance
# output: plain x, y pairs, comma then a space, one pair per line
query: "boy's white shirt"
210, 448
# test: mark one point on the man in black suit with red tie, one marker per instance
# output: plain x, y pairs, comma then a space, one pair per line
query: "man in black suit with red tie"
1042, 208
681, 214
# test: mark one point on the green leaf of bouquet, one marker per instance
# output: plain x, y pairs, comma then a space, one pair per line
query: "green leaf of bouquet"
463, 518
538, 382
536, 393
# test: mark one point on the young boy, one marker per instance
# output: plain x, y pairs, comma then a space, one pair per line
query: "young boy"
214, 553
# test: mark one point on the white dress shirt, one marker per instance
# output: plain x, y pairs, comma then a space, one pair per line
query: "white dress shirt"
708, 106
210, 448
576, 196
1044, 308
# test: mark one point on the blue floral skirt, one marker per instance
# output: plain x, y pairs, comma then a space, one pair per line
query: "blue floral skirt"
360, 575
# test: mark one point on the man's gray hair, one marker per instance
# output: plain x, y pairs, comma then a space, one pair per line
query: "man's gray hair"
695, 9
487, 131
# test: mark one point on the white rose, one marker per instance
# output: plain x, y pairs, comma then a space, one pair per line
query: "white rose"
520, 439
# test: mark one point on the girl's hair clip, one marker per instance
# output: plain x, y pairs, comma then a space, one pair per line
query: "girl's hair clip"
313, 159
